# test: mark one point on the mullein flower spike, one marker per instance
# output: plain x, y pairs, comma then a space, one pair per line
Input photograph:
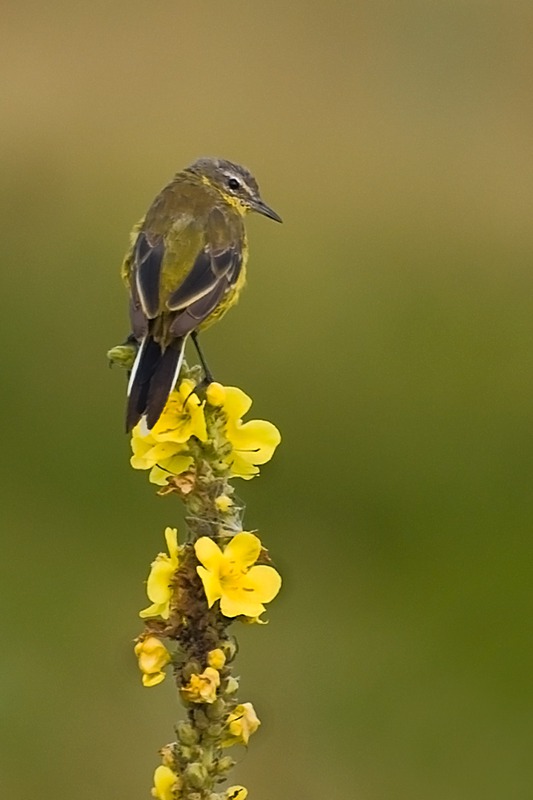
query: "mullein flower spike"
219, 574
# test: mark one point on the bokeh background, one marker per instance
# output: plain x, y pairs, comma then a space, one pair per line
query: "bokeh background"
387, 329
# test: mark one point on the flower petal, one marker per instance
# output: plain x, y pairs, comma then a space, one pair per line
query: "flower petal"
255, 441
178, 464
236, 793
211, 582
186, 393
153, 679
160, 579
264, 582
163, 450
208, 552
240, 467
238, 603
165, 781
141, 449
139, 462
159, 476
243, 549
155, 610
182, 417
171, 538
140, 446
236, 402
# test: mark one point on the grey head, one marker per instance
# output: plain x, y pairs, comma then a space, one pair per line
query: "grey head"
236, 184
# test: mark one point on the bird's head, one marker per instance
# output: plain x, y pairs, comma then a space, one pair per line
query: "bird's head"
236, 185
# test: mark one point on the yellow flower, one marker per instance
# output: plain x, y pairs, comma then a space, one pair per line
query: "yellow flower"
153, 656
216, 658
159, 584
236, 793
182, 417
165, 783
223, 503
163, 450
242, 722
163, 459
202, 688
252, 442
230, 577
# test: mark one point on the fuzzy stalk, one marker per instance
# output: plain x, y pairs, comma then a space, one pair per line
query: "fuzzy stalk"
194, 765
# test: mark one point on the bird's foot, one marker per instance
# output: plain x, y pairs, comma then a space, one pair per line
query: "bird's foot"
200, 387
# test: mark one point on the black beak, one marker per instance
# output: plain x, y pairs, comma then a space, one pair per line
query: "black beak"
266, 211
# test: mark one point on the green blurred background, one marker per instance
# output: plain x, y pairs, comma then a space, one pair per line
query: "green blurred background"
387, 329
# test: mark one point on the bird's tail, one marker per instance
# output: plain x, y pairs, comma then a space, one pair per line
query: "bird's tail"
152, 378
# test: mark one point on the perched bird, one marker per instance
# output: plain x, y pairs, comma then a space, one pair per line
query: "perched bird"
185, 268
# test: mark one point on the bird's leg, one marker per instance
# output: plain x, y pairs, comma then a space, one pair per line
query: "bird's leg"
208, 377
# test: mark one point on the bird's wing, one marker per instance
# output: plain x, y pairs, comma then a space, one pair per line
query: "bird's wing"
166, 237
148, 255
211, 266
213, 273
127, 264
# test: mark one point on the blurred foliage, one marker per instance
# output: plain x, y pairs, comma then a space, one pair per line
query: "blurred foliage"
387, 330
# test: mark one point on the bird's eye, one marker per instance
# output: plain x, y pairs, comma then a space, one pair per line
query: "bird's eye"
233, 184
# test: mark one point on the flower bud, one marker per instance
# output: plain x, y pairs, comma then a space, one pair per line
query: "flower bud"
200, 719
231, 685
123, 355
190, 668
185, 752
215, 394
223, 503
224, 765
229, 648
196, 775
215, 730
216, 658
186, 733
216, 710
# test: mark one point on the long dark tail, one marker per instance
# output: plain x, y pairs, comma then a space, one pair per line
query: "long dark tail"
152, 379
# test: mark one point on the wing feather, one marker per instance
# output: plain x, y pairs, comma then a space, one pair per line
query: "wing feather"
208, 269
148, 258
200, 280
188, 320
213, 272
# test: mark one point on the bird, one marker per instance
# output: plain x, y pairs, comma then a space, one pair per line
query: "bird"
185, 267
